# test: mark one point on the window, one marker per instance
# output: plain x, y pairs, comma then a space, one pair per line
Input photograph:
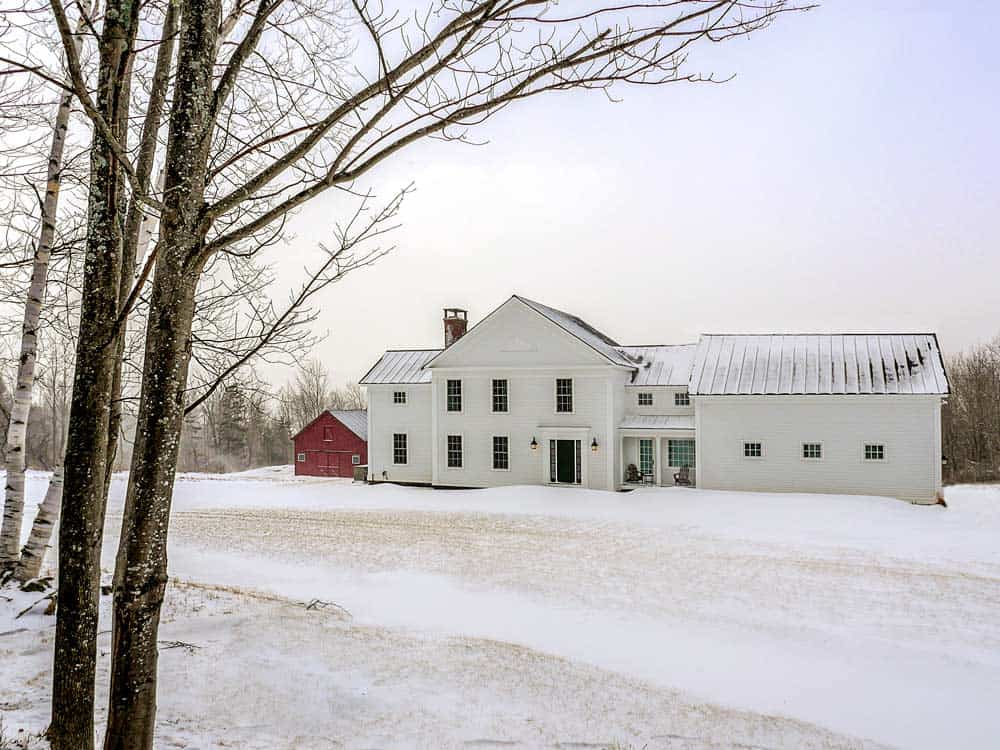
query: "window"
753, 450
564, 395
874, 452
501, 452
812, 450
680, 453
399, 397
454, 451
645, 457
682, 398
327, 434
399, 448
454, 395
645, 399
356, 460
301, 458
500, 403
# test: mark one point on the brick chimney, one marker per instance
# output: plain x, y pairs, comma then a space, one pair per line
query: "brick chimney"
455, 323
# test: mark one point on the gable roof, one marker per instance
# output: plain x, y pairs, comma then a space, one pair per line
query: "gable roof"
661, 365
401, 366
356, 420
787, 364
581, 329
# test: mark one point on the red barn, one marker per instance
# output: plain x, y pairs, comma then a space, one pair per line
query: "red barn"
332, 444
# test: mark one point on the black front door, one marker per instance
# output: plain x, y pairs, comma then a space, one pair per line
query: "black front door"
566, 461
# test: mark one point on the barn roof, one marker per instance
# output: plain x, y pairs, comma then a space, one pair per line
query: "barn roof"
661, 365
356, 420
401, 366
787, 364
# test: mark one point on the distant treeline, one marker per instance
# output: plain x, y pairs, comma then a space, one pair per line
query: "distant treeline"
970, 421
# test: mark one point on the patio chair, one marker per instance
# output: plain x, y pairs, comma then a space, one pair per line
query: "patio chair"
632, 474
682, 477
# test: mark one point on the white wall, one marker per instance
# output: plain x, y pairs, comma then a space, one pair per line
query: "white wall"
412, 418
663, 401
909, 426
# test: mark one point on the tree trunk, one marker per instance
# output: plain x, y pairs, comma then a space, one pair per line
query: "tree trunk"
33, 553
141, 569
84, 499
17, 429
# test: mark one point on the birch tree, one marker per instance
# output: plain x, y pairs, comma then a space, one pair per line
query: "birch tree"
14, 450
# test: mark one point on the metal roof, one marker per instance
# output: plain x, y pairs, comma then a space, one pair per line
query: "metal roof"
657, 422
788, 364
661, 365
580, 328
401, 367
356, 420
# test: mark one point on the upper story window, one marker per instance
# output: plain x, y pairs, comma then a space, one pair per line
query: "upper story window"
682, 398
564, 395
753, 450
399, 448
645, 399
500, 401
812, 450
327, 434
454, 451
399, 397
454, 395
874, 452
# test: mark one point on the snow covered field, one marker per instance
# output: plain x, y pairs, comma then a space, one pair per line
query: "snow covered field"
552, 617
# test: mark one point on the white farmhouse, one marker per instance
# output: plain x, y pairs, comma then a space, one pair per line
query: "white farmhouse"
534, 395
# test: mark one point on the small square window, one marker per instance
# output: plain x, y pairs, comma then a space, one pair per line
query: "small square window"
501, 452
682, 398
874, 452
454, 395
399, 397
645, 399
399, 448
301, 458
500, 401
564, 395
356, 459
454, 451
812, 450
753, 450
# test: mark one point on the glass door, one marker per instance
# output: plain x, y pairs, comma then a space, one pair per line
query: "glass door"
645, 456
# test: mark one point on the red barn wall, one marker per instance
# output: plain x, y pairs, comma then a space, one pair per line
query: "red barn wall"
328, 447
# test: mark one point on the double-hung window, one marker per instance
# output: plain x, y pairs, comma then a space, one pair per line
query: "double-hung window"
500, 400
682, 398
753, 450
399, 448
399, 397
874, 452
454, 451
564, 395
454, 395
645, 399
501, 452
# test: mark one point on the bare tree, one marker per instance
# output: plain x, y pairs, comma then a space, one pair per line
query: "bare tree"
970, 420
258, 126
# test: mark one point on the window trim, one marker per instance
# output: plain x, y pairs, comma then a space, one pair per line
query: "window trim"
572, 396
402, 402
812, 459
300, 458
461, 394
461, 451
638, 399
493, 395
356, 459
493, 452
864, 452
405, 449
682, 395
743, 450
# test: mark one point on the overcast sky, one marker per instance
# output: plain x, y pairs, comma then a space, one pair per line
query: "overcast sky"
848, 179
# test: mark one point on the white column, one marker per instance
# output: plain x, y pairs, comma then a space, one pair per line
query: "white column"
434, 430
658, 453
621, 459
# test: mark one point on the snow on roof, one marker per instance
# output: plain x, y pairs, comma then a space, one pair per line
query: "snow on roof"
657, 422
785, 364
661, 365
400, 367
580, 328
356, 420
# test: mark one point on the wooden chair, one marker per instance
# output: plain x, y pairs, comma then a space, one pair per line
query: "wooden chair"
632, 474
683, 477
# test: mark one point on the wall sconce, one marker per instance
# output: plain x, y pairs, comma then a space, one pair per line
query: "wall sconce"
593, 445
534, 443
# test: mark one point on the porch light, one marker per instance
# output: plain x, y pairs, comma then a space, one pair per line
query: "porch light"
534, 443
593, 445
